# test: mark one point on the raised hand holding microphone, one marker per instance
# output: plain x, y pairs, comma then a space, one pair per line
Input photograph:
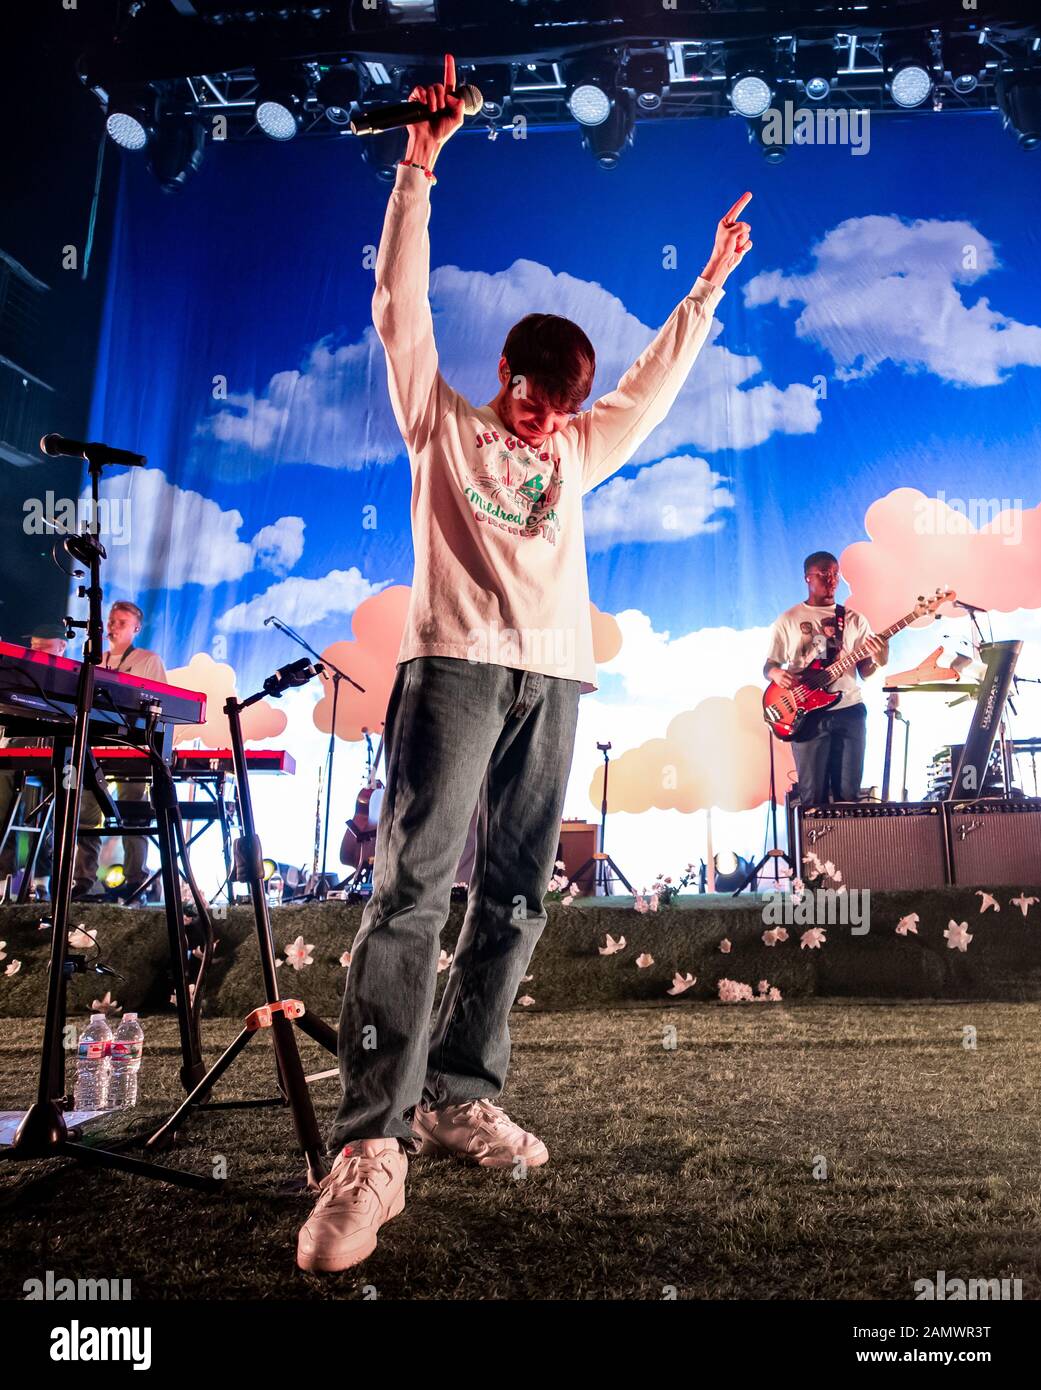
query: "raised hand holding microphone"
426, 139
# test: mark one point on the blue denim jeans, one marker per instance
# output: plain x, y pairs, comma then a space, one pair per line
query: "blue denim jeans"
829, 755
458, 734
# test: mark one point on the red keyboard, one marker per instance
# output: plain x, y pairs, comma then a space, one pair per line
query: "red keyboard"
38, 685
128, 762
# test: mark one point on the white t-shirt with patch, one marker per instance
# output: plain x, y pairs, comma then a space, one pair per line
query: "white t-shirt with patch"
800, 635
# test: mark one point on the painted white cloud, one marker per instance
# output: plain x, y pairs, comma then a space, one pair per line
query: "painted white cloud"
302, 602
173, 536
672, 500
885, 290
311, 414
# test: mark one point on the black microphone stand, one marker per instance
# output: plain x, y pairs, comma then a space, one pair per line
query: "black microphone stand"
774, 853
337, 676
276, 1013
606, 868
43, 1133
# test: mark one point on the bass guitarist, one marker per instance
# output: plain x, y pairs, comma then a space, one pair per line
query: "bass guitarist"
829, 744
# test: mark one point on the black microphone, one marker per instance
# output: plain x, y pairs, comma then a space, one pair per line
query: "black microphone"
57, 446
402, 113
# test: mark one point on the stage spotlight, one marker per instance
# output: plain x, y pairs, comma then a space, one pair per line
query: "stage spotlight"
591, 93
130, 121
337, 92
605, 142
963, 62
1019, 100
382, 153
269, 867
731, 871
773, 152
280, 105
816, 68
908, 75
496, 86
648, 76
177, 150
115, 876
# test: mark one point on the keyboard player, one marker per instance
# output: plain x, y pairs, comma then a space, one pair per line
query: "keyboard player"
125, 621
50, 637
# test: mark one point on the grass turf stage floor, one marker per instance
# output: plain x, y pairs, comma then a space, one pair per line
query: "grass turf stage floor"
691, 1167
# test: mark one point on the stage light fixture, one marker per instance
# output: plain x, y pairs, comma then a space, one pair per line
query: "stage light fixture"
1019, 101
115, 876
963, 61
382, 153
648, 76
750, 84
496, 87
908, 75
591, 92
606, 141
337, 93
816, 68
280, 104
177, 150
130, 121
269, 867
773, 153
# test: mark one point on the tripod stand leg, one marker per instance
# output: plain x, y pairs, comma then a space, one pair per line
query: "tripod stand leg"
202, 1089
299, 1097
319, 1030
105, 1158
193, 1068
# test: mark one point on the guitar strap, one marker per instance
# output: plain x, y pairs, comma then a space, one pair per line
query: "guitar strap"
835, 643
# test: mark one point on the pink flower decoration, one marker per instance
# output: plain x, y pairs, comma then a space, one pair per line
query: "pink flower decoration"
726, 946
987, 901
733, 992
612, 946
813, 939
640, 904
13, 968
957, 934
770, 937
642, 962
907, 924
298, 953
525, 1001
444, 960
681, 983
1023, 903
345, 960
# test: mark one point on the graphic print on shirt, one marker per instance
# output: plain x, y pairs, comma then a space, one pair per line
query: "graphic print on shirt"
813, 641
515, 486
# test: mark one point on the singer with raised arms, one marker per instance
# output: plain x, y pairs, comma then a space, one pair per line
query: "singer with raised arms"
496, 650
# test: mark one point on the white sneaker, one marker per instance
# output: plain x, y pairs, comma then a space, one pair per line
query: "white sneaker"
477, 1132
365, 1188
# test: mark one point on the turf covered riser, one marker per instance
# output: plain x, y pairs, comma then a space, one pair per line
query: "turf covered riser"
1003, 961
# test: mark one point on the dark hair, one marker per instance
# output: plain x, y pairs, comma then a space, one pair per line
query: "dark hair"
819, 557
554, 357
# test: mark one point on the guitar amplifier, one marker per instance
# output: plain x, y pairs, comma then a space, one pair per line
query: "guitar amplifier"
877, 845
995, 842
578, 842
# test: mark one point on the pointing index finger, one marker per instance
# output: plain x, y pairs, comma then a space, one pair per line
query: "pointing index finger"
735, 211
450, 73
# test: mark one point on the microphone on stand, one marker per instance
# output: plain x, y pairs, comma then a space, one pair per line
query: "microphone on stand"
402, 113
57, 446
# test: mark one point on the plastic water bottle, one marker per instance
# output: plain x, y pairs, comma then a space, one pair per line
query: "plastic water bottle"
93, 1065
127, 1047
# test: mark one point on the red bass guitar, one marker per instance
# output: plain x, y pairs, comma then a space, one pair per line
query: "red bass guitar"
784, 710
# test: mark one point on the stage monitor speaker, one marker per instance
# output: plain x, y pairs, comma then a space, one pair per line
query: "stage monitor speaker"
996, 843
578, 842
877, 845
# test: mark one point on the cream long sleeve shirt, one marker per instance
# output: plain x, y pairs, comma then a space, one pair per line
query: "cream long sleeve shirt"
500, 561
